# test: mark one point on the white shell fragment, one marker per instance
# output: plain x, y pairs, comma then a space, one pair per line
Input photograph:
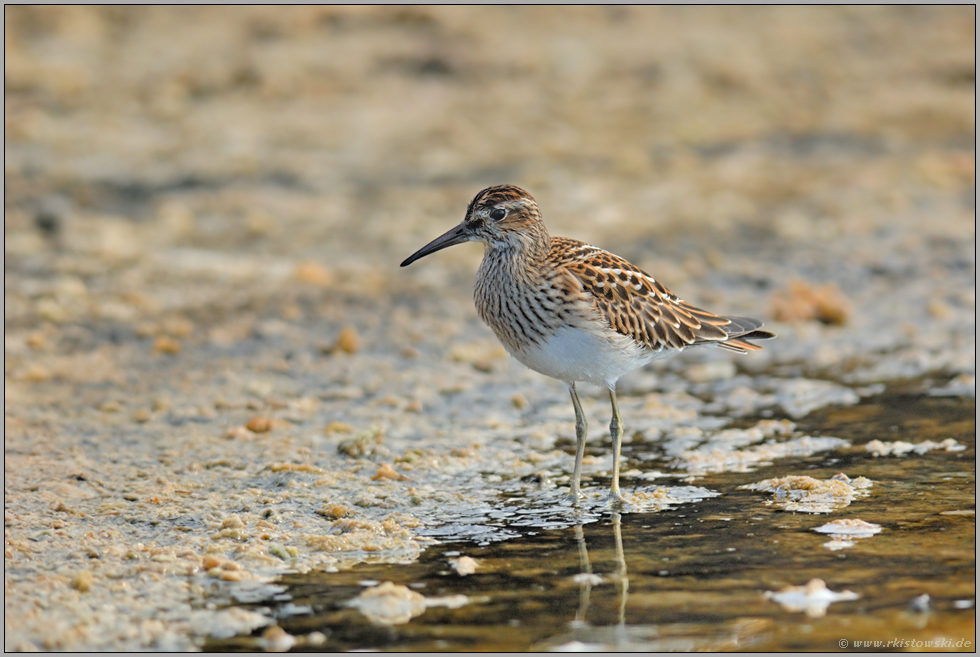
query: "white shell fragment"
464, 565
852, 528
395, 604
812, 599
846, 531
389, 604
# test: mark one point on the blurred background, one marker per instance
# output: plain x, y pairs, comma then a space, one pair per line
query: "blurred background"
170, 170
143, 143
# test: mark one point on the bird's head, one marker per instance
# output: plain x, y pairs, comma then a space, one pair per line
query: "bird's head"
502, 217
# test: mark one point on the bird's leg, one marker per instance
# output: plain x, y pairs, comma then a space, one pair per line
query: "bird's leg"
624, 581
586, 568
581, 428
616, 432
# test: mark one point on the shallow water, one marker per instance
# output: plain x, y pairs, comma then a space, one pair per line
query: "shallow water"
694, 577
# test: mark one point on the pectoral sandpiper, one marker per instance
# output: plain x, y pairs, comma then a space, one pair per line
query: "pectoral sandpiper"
574, 312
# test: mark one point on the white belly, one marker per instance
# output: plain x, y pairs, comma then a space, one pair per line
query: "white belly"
573, 354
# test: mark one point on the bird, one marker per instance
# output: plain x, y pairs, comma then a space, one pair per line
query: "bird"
575, 312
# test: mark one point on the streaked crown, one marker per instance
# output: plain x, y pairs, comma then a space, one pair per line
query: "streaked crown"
504, 217
497, 214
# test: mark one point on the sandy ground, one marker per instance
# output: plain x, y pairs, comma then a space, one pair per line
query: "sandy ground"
214, 370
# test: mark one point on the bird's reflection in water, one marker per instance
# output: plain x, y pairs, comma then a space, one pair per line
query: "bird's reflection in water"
587, 579
644, 637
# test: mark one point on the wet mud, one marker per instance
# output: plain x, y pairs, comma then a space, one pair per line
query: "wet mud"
704, 576
217, 376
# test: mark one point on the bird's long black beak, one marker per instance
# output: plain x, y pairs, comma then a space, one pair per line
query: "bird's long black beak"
457, 235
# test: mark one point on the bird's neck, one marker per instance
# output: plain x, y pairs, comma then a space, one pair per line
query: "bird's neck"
519, 255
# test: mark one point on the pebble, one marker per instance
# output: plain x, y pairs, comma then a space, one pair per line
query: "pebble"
803, 301
348, 341
260, 424
389, 604
464, 565
276, 639
82, 581
166, 345
313, 273
385, 471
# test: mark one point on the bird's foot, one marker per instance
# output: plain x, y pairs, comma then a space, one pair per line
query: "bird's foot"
616, 498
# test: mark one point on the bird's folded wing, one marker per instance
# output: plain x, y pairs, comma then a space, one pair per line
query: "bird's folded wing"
637, 305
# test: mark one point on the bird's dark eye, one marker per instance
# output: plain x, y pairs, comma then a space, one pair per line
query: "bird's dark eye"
498, 213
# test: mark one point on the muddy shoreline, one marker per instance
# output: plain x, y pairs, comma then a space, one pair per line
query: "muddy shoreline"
215, 372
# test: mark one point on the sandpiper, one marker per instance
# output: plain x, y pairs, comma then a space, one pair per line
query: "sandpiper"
574, 312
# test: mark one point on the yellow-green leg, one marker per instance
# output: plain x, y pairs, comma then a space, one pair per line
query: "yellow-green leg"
581, 428
616, 431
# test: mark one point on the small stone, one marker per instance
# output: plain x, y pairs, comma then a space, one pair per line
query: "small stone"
276, 639
519, 401
313, 273
483, 366
212, 561
803, 302
238, 432
348, 341
366, 443
233, 575
389, 604
232, 521
388, 472
141, 415
277, 550
82, 581
260, 424
464, 565
333, 511
166, 345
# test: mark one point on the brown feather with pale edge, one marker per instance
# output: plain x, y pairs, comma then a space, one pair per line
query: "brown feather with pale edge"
637, 305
